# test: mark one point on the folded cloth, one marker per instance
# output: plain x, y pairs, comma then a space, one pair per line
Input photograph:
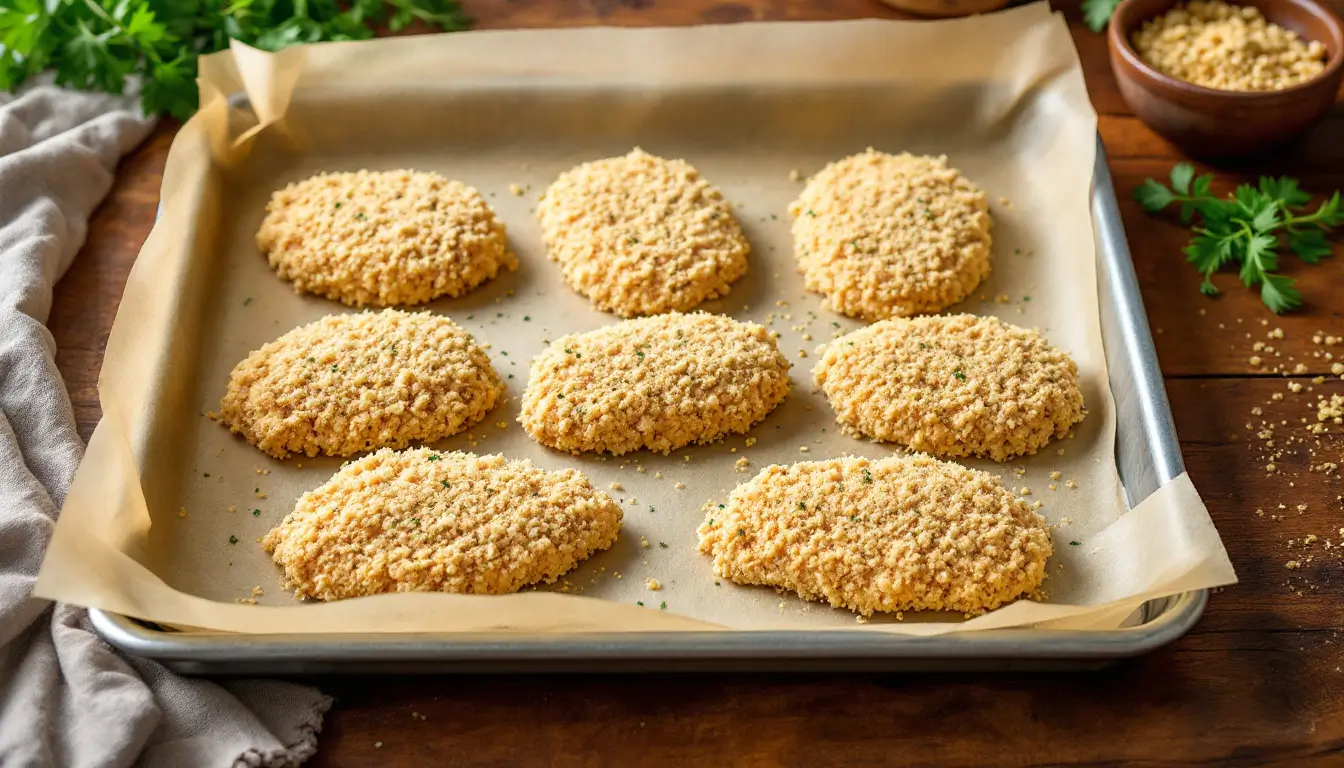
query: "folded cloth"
68, 699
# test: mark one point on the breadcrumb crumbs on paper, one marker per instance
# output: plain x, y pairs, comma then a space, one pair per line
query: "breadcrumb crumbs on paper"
903, 533
653, 585
642, 235
885, 235
356, 382
660, 383
418, 520
679, 485
515, 190
383, 238
956, 385
182, 512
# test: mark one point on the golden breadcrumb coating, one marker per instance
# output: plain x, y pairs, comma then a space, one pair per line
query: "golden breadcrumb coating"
891, 235
901, 534
383, 238
423, 521
351, 383
952, 386
641, 235
658, 382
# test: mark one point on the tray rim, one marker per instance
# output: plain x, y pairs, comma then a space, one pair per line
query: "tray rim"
1162, 620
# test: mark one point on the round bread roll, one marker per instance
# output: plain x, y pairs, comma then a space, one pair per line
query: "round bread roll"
423, 521
952, 386
352, 383
900, 534
642, 235
659, 383
383, 238
891, 235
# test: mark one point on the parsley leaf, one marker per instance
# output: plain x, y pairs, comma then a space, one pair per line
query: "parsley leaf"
1097, 13
1153, 196
1279, 294
101, 44
1247, 229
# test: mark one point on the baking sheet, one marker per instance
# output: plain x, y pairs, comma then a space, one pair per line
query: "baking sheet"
147, 530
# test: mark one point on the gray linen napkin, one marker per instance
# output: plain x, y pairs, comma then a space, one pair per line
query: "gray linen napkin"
66, 698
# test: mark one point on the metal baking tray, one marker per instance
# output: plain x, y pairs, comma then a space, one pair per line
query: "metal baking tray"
1147, 453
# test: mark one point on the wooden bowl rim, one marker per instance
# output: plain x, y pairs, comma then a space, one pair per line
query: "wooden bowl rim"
1119, 39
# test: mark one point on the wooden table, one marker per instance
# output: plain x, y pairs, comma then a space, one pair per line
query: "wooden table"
1258, 681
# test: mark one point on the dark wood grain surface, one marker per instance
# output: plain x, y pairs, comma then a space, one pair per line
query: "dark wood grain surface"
1259, 681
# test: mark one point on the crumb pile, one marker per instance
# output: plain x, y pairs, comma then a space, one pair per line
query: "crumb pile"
891, 235
351, 383
900, 534
422, 521
1228, 47
957, 385
383, 238
659, 383
641, 235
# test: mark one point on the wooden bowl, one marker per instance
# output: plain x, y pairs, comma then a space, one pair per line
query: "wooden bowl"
947, 8
1207, 122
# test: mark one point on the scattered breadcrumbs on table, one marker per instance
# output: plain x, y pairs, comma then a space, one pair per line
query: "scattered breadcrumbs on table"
1284, 445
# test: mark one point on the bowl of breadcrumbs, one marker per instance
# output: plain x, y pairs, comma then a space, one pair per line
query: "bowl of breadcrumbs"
1222, 79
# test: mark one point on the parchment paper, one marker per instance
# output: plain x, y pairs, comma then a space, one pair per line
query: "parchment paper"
147, 529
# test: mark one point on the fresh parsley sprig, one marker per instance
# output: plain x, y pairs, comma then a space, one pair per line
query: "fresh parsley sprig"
1097, 13
1247, 228
100, 44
